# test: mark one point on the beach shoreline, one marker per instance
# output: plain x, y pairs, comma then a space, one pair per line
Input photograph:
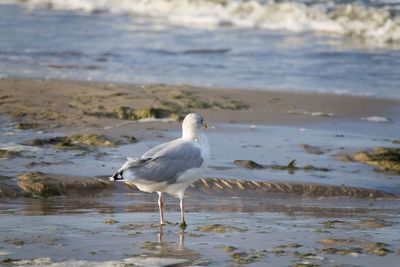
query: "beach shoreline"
50, 101
282, 173
108, 115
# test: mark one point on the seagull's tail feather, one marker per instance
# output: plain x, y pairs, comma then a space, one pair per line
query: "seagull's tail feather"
130, 164
117, 176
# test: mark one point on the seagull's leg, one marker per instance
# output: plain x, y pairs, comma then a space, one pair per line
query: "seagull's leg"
160, 207
182, 224
160, 235
182, 239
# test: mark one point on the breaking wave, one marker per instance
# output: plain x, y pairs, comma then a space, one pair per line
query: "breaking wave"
379, 22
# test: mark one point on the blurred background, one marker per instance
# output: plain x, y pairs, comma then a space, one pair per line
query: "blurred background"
337, 46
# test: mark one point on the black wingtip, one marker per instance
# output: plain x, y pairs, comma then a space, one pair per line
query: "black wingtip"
117, 176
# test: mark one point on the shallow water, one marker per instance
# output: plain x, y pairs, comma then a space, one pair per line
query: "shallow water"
114, 43
84, 239
68, 230
264, 144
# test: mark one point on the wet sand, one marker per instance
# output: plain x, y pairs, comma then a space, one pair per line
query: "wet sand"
67, 103
306, 203
222, 231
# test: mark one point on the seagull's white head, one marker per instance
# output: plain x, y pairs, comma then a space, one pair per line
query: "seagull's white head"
192, 126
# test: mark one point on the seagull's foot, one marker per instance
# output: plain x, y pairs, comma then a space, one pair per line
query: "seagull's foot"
183, 225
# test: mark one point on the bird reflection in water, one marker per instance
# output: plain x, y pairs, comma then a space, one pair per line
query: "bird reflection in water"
171, 245
160, 235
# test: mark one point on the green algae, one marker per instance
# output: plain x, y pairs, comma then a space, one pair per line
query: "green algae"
15, 241
290, 245
248, 164
331, 223
384, 159
315, 150
27, 125
319, 230
248, 257
279, 251
124, 113
342, 251
336, 241
219, 228
377, 248
379, 251
8, 154
313, 168
305, 264
132, 226
370, 224
165, 104
38, 184
306, 256
110, 221
128, 113
75, 141
26, 262
372, 248
291, 167
185, 101
227, 249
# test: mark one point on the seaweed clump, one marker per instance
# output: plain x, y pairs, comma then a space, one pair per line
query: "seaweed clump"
110, 221
184, 100
219, 228
291, 167
128, 113
370, 224
8, 154
27, 125
315, 150
243, 257
384, 159
248, 257
75, 141
305, 264
336, 241
377, 248
248, 164
331, 223
372, 248
342, 251
38, 184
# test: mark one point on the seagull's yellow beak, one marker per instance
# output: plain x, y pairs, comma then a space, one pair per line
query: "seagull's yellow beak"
205, 126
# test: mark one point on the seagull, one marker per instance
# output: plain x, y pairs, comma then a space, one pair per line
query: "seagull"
170, 167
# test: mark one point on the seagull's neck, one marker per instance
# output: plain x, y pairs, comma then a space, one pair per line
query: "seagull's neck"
200, 138
193, 134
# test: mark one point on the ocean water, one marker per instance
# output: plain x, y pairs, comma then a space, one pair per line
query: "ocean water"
339, 46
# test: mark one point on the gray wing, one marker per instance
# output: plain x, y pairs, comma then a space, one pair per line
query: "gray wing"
166, 164
150, 153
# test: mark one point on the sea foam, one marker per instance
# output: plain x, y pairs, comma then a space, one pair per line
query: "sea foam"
379, 23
